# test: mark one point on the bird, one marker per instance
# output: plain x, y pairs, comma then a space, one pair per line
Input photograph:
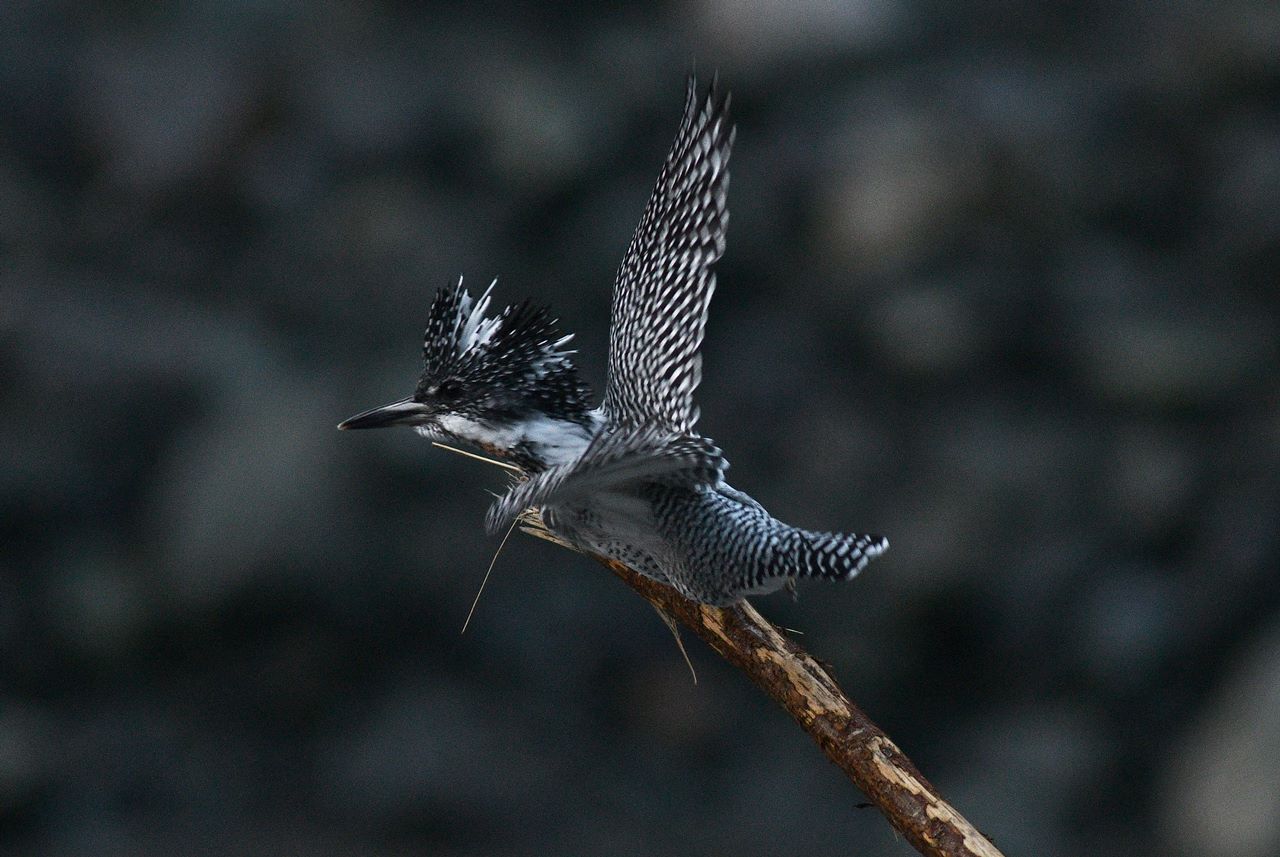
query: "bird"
629, 479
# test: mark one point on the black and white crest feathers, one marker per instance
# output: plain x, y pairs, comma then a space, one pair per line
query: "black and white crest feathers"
518, 355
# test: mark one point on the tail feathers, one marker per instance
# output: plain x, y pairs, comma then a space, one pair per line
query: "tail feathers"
805, 554
834, 556
727, 546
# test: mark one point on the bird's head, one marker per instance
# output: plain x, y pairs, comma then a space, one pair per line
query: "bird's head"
486, 376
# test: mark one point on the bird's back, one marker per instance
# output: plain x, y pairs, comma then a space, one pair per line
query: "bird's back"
711, 542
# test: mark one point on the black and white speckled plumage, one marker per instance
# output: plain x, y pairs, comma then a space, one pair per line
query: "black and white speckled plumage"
631, 479
503, 367
665, 283
502, 382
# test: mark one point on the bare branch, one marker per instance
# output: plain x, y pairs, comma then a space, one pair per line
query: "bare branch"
797, 682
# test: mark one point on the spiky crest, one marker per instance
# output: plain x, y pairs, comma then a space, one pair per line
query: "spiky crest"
513, 361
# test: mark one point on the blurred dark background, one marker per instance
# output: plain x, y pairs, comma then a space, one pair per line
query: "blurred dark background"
1001, 284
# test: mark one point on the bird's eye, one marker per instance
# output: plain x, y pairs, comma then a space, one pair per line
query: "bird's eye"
449, 389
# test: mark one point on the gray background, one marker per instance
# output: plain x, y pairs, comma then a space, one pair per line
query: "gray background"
1001, 284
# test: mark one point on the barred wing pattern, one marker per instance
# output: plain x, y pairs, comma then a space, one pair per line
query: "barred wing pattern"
664, 285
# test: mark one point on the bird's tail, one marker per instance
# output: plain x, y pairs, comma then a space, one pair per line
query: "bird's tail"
830, 556
732, 547
803, 554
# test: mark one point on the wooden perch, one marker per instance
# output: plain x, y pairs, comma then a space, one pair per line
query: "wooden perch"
798, 683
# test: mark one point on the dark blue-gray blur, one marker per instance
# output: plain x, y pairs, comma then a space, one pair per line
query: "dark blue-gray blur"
1001, 284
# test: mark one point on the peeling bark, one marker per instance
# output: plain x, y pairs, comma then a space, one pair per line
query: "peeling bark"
797, 682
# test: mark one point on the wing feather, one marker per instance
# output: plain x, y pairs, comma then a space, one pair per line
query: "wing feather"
612, 461
665, 282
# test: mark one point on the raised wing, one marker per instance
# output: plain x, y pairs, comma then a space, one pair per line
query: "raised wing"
612, 460
665, 283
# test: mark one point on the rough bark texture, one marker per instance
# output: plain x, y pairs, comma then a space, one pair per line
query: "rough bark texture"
799, 684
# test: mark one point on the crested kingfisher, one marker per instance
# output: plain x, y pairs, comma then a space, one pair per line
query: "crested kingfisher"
630, 479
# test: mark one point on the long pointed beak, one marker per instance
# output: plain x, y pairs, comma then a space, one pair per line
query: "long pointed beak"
405, 412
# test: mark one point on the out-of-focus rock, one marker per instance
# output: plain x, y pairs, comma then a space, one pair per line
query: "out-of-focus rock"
928, 331
1043, 756
1149, 478
757, 33
27, 763
432, 751
1162, 360
98, 605
1244, 197
163, 107
899, 177
1221, 780
244, 489
1129, 625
